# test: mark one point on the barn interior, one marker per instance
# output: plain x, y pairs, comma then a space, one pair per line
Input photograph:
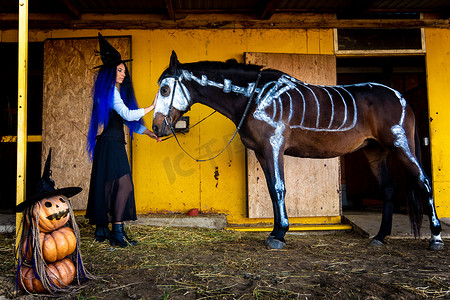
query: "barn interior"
356, 61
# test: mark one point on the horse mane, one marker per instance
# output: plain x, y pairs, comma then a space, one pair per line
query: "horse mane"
219, 70
220, 66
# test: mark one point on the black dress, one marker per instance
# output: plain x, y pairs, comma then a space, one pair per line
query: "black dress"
109, 167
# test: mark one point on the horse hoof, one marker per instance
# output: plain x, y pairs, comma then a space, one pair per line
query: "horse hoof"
376, 243
273, 243
436, 245
269, 239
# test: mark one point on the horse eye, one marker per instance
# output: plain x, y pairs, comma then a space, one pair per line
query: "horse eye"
62, 200
48, 204
165, 90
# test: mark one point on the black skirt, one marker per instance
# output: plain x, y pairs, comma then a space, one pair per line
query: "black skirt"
110, 163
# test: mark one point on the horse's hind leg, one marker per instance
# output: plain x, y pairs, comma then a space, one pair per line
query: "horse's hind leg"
376, 157
436, 242
405, 155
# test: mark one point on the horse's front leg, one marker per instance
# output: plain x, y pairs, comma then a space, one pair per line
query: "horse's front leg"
376, 157
273, 165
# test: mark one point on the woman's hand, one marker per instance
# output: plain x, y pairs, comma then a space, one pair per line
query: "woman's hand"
152, 135
150, 108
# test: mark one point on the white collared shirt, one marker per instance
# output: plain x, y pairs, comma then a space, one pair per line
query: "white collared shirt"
126, 113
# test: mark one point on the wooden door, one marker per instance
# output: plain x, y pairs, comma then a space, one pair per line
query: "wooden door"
67, 103
312, 185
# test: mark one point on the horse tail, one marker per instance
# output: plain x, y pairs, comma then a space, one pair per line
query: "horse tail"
415, 207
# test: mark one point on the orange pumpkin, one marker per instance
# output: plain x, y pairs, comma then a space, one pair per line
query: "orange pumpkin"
53, 213
27, 243
58, 244
28, 282
60, 273
55, 245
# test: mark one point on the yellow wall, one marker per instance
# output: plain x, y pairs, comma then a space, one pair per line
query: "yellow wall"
438, 76
166, 179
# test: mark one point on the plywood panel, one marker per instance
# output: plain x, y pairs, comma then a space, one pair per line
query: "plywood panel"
67, 102
312, 185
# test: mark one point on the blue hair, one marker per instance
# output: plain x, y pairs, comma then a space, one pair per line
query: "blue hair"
103, 99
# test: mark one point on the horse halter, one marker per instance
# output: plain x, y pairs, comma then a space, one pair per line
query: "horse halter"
252, 93
177, 79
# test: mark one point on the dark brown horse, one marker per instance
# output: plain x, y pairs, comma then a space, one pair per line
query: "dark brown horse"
276, 114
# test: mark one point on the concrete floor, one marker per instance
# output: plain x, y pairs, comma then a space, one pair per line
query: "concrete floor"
367, 223
7, 221
211, 221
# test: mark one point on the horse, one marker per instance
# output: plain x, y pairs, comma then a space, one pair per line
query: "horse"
276, 114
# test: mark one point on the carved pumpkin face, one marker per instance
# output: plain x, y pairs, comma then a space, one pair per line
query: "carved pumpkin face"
53, 213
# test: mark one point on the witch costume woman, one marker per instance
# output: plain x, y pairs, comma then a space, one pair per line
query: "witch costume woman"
111, 196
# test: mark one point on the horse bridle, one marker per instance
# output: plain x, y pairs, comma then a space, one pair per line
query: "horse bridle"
169, 123
171, 101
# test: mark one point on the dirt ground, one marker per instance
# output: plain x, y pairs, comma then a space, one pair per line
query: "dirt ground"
181, 263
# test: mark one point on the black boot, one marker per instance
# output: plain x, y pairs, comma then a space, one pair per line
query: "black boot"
119, 237
102, 233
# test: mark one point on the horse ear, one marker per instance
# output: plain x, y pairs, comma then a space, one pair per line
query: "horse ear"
173, 63
232, 61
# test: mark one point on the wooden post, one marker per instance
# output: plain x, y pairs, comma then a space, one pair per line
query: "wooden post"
22, 106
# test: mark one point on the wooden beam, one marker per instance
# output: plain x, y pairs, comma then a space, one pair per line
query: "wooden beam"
255, 24
22, 106
269, 9
219, 21
74, 11
170, 11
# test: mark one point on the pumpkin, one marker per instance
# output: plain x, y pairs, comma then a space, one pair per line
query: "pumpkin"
60, 274
53, 213
64, 272
27, 243
58, 244
55, 245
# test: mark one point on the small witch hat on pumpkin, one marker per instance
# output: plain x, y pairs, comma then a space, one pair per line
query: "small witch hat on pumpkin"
108, 54
46, 188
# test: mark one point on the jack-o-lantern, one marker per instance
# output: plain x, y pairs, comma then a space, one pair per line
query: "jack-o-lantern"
52, 213
54, 245
60, 273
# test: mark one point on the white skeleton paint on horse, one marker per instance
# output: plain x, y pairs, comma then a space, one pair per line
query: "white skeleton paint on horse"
294, 118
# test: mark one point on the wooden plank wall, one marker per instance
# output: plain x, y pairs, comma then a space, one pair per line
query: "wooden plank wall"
67, 103
312, 185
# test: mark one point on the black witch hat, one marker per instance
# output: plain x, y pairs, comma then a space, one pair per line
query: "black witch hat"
108, 54
46, 188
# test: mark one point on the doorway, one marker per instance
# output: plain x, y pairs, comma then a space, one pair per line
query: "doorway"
407, 74
8, 120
